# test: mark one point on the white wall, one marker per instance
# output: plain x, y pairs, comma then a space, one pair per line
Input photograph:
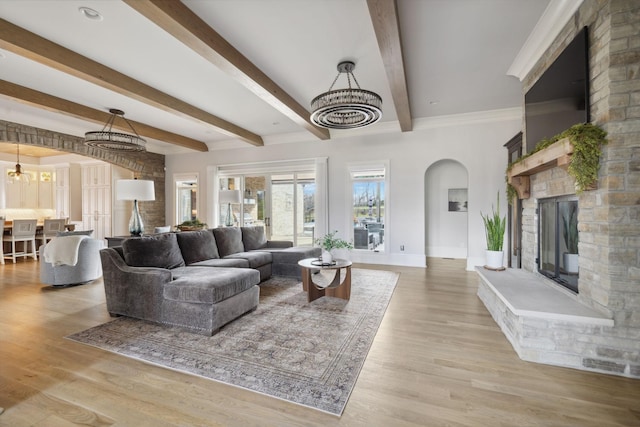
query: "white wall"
474, 140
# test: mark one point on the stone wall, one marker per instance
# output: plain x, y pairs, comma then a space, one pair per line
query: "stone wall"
609, 217
144, 165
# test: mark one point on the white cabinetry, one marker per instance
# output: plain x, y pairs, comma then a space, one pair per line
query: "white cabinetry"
37, 193
62, 204
21, 194
45, 189
96, 199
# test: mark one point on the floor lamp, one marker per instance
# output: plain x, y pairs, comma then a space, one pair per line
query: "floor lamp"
136, 190
228, 197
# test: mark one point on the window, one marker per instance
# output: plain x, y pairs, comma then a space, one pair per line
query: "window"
368, 207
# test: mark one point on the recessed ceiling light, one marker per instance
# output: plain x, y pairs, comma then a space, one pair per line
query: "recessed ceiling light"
89, 13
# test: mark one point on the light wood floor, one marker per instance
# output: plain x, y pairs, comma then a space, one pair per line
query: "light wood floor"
438, 360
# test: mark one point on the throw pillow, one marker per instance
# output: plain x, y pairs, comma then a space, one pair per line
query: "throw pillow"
197, 246
160, 250
75, 233
229, 240
253, 238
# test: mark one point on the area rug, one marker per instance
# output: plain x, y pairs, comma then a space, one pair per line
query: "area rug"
307, 353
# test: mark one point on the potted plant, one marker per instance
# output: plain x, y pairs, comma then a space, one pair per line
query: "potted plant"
328, 243
494, 226
190, 225
570, 234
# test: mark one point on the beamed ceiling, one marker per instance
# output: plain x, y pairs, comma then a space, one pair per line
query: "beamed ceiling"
198, 75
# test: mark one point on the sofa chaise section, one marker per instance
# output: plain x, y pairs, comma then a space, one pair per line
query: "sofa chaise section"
147, 279
198, 280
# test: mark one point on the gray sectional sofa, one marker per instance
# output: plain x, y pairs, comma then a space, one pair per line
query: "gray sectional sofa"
196, 280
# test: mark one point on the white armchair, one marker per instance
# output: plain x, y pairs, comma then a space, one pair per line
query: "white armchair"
87, 268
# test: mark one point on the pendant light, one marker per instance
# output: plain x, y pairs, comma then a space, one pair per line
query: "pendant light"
118, 141
18, 174
348, 108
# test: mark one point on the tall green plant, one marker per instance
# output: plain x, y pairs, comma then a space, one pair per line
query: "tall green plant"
570, 230
494, 227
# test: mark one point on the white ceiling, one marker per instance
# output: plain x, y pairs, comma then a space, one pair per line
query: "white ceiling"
456, 57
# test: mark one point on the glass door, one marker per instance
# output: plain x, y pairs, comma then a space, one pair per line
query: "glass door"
281, 202
255, 204
186, 198
293, 207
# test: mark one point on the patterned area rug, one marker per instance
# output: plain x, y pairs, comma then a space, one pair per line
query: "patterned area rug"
307, 353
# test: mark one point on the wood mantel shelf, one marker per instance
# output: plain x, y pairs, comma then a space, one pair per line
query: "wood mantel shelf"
557, 154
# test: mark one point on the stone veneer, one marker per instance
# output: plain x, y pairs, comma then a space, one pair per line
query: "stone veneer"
144, 165
609, 217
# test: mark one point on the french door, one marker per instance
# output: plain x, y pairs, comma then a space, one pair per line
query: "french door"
283, 202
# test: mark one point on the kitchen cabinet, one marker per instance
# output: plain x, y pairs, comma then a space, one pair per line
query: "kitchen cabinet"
96, 199
21, 194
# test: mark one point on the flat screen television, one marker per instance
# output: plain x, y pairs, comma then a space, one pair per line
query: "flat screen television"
560, 97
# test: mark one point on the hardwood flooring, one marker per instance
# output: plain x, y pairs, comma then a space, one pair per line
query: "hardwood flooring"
438, 360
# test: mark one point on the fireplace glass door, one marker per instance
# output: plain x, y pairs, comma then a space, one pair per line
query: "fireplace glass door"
558, 238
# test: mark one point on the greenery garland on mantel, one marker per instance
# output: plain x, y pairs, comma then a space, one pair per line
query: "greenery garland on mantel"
587, 140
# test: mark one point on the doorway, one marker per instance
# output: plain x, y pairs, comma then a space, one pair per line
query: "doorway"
446, 210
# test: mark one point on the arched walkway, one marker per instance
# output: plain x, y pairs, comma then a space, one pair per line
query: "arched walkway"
446, 224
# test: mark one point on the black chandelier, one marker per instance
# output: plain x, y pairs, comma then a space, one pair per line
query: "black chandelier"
348, 108
110, 140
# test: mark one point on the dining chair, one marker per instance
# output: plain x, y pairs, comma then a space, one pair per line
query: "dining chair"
50, 229
23, 230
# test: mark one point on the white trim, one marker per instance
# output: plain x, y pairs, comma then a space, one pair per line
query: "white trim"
477, 117
295, 165
552, 21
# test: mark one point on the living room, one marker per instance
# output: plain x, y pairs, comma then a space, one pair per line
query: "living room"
469, 145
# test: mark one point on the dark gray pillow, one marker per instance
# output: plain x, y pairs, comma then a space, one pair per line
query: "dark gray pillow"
75, 233
160, 250
197, 246
253, 237
229, 240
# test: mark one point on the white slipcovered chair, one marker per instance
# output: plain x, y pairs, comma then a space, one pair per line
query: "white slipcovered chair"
87, 267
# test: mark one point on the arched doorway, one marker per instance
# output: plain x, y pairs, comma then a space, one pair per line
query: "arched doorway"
446, 215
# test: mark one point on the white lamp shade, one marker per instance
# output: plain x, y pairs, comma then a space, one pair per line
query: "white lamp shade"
135, 189
230, 196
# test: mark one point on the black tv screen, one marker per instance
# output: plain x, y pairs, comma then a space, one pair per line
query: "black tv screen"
560, 98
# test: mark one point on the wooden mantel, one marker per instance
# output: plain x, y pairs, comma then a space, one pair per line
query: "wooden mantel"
557, 154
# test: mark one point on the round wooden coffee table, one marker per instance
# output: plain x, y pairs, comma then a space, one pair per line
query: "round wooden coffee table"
335, 288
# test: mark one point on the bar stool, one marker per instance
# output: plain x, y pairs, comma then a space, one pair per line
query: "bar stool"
23, 230
50, 229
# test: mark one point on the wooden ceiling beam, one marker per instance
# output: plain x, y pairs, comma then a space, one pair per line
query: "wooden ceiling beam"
187, 27
29, 45
386, 24
58, 105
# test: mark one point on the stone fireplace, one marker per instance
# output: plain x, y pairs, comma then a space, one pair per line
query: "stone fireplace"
605, 334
